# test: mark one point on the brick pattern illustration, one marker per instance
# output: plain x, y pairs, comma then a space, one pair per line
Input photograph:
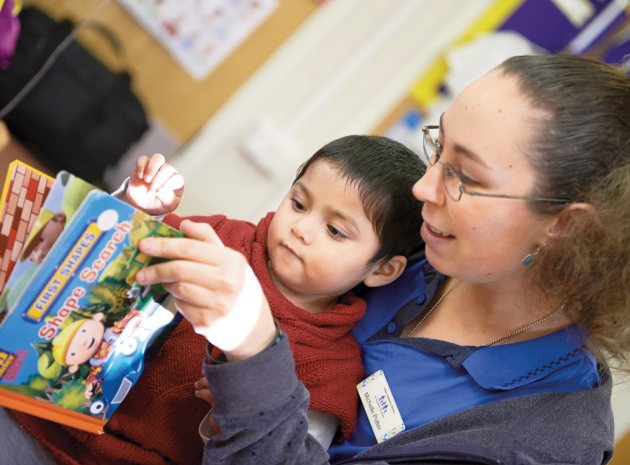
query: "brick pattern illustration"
24, 192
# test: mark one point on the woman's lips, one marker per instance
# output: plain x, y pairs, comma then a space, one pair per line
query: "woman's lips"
430, 232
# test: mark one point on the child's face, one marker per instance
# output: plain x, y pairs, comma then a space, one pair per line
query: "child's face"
320, 240
85, 342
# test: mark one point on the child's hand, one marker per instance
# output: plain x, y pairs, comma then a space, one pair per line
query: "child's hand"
202, 390
213, 287
155, 187
209, 427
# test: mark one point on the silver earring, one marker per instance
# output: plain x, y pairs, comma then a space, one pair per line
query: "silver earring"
530, 258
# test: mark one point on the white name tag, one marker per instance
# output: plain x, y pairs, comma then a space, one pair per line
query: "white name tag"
380, 406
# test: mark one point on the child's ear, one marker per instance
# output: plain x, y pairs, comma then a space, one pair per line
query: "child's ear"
386, 271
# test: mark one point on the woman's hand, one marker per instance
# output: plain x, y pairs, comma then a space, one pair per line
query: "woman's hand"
213, 287
155, 187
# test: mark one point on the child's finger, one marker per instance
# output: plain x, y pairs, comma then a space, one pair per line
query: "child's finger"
204, 394
161, 176
201, 383
171, 189
139, 168
175, 183
155, 162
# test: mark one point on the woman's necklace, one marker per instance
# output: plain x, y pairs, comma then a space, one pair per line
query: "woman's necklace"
513, 333
526, 327
452, 286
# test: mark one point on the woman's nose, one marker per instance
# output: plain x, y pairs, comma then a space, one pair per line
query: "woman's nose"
429, 188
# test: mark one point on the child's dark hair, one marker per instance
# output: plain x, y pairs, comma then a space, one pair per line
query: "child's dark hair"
384, 172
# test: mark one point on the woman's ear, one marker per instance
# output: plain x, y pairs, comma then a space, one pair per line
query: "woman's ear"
386, 271
558, 228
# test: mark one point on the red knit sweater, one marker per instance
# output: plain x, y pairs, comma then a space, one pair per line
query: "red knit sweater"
157, 423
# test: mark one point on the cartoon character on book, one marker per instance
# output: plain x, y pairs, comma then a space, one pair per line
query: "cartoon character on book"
40, 244
114, 354
89, 341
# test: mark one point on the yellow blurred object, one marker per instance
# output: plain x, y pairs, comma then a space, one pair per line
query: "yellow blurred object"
4, 132
622, 451
17, 6
425, 91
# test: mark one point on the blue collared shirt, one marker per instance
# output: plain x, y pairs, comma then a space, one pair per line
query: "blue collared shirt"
431, 379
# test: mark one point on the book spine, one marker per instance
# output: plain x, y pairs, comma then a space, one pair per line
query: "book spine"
48, 411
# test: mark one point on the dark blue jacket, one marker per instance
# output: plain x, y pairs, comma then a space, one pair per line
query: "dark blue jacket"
261, 409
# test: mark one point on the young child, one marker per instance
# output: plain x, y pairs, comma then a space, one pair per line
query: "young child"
349, 219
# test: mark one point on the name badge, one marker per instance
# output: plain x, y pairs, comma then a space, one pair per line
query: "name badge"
380, 406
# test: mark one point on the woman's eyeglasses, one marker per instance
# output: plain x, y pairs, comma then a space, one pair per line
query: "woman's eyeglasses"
452, 179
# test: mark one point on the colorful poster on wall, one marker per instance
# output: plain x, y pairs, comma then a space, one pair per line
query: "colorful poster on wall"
554, 26
199, 34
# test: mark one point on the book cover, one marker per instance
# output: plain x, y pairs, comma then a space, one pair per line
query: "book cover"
60, 203
77, 341
23, 194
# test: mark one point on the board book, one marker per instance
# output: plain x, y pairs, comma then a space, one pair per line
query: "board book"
77, 336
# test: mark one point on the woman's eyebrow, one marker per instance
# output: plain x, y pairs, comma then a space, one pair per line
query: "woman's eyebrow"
460, 149
471, 155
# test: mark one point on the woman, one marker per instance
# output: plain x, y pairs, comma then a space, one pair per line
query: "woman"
495, 350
